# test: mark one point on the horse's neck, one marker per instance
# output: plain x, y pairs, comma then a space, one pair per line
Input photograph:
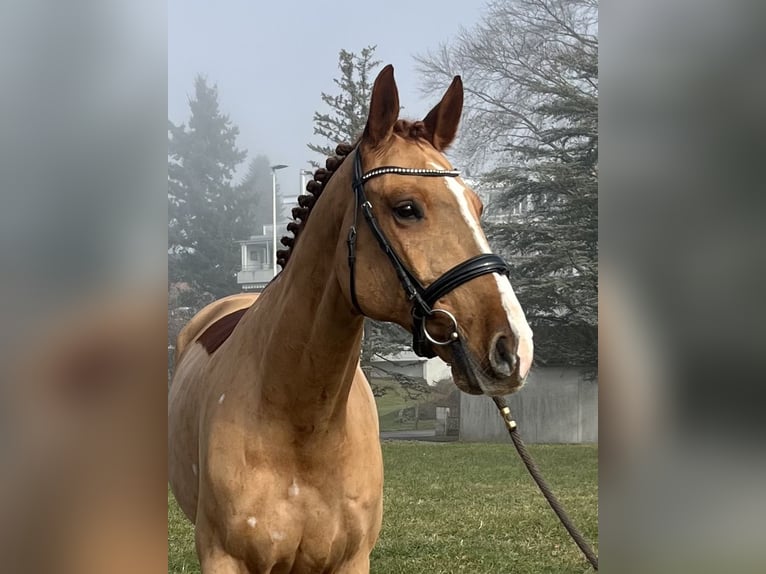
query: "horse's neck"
307, 335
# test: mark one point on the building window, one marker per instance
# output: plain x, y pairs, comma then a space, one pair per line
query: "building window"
257, 255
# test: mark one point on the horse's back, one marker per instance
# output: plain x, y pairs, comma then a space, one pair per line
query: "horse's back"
215, 311
196, 343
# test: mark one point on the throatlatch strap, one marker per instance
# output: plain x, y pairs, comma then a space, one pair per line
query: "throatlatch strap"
351, 242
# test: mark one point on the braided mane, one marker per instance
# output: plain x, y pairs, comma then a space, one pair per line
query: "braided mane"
307, 202
403, 128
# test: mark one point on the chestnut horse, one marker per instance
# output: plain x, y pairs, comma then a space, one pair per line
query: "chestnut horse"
274, 448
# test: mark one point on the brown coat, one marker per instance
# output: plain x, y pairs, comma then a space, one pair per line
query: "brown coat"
274, 450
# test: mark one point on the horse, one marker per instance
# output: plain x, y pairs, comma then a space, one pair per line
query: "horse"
274, 450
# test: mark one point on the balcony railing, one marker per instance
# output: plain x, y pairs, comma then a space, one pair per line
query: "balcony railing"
256, 266
255, 273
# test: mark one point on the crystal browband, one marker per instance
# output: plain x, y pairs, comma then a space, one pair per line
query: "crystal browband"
409, 171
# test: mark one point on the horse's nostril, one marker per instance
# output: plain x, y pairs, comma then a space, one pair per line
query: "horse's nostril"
502, 349
502, 358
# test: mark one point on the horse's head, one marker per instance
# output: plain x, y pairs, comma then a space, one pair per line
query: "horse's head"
430, 219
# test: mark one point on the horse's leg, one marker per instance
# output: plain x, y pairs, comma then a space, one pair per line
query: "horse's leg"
218, 562
222, 563
212, 558
360, 564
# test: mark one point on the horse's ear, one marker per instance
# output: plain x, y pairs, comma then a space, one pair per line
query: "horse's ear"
442, 121
384, 107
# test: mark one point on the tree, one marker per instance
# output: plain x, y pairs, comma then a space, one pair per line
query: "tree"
344, 123
383, 341
350, 107
257, 184
530, 68
206, 213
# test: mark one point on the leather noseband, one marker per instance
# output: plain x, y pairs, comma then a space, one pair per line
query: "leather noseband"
423, 298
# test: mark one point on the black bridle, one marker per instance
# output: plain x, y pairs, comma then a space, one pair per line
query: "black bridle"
423, 298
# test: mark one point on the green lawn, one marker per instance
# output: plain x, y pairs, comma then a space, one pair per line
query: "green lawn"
457, 507
182, 557
391, 402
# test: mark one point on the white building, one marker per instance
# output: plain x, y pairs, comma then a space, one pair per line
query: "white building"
257, 252
257, 261
407, 363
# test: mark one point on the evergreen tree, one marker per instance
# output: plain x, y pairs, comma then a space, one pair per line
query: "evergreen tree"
206, 213
344, 123
530, 69
349, 108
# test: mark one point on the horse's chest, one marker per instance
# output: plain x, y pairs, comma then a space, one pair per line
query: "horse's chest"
301, 524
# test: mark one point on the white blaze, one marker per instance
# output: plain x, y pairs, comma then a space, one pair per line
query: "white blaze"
293, 490
220, 399
511, 305
251, 522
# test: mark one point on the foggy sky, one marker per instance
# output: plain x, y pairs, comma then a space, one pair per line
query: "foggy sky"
271, 60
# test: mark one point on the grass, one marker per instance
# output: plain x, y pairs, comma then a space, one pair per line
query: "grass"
459, 507
391, 402
182, 558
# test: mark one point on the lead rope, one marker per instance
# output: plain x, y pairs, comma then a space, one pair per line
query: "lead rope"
510, 424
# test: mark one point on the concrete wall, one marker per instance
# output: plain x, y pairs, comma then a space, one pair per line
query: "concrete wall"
555, 406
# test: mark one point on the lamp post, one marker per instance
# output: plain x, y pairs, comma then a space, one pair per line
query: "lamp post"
309, 174
274, 169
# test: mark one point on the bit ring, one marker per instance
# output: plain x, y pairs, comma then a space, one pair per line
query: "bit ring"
453, 336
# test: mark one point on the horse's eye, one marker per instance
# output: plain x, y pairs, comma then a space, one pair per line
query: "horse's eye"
407, 210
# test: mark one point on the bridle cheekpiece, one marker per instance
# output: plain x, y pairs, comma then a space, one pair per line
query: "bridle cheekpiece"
422, 298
